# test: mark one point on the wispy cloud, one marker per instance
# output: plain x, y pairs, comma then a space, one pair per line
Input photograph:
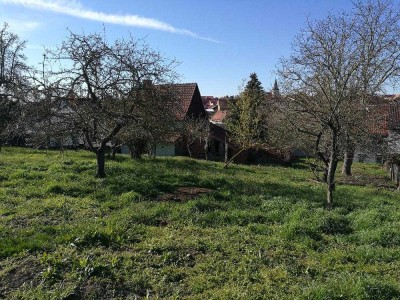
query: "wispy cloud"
76, 9
21, 26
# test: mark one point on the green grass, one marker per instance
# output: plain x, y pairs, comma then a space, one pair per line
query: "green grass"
262, 233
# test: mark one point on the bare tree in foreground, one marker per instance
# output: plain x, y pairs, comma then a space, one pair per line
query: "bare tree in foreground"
106, 86
196, 130
12, 82
337, 63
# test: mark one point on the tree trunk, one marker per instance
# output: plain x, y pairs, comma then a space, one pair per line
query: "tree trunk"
397, 175
188, 149
134, 153
206, 149
331, 183
153, 150
232, 158
348, 161
101, 159
113, 152
330, 179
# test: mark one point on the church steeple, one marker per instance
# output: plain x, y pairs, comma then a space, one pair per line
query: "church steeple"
275, 89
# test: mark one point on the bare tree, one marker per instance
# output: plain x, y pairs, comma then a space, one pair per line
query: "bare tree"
337, 63
12, 69
47, 120
107, 86
376, 27
196, 130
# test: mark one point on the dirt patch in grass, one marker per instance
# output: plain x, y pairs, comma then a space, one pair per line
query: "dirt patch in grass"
26, 271
100, 288
182, 194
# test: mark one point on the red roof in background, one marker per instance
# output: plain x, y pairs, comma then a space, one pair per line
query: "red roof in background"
223, 103
184, 92
379, 117
189, 100
384, 117
394, 116
393, 97
209, 101
219, 116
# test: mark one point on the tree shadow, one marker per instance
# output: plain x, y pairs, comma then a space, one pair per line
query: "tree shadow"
152, 178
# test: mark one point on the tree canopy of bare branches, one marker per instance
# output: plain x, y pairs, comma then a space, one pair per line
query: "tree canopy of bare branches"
104, 87
336, 65
12, 69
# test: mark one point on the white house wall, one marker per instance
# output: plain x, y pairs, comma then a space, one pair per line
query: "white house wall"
394, 142
165, 150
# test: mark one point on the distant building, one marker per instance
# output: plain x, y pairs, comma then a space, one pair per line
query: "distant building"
221, 148
384, 130
190, 105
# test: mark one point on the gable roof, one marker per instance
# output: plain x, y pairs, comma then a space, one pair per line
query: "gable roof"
219, 116
189, 100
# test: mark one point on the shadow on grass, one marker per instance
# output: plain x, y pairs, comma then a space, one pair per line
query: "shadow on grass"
152, 177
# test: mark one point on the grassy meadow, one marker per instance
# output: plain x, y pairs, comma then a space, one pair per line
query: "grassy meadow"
259, 233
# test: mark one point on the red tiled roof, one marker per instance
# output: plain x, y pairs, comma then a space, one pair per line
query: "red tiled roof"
209, 101
219, 116
188, 98
379, 117
393, 97
184, 92
384, 117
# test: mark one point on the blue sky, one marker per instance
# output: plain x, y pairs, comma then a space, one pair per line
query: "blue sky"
218, 42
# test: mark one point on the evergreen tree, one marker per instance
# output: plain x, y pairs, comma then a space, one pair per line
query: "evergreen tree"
247, 119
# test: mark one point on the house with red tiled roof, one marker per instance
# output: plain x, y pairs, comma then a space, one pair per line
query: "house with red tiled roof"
221, 109
209, 103
221, 148
189, 105
384, 129
219, 116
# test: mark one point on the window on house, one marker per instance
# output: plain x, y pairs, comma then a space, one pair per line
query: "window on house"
362, 157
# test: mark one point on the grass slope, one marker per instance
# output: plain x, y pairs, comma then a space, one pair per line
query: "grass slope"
261, 233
